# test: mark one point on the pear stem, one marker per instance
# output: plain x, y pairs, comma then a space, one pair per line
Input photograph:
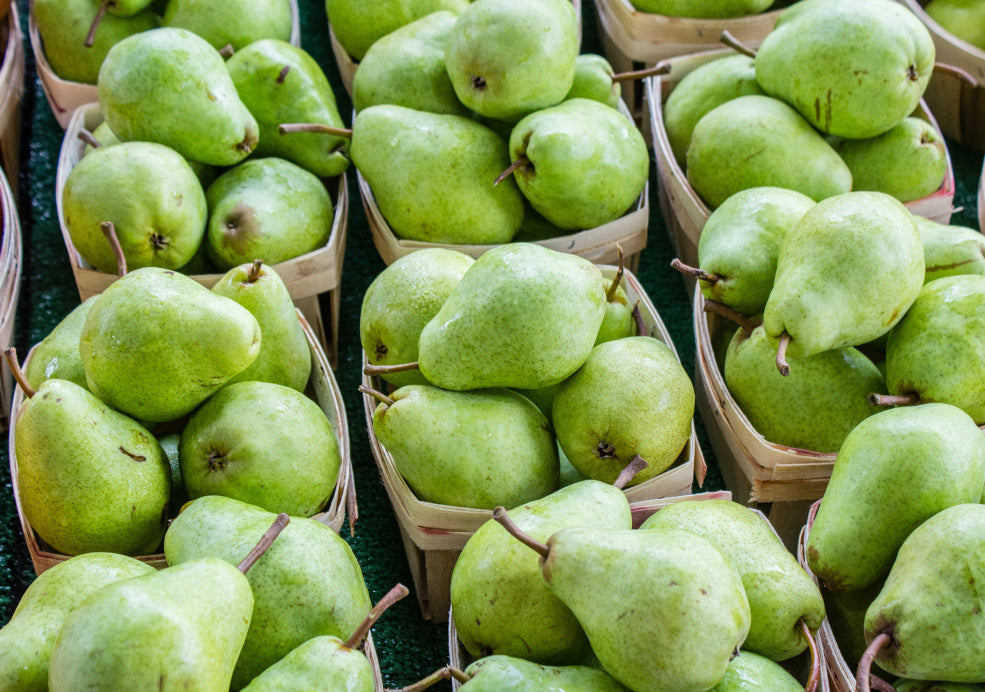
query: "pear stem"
781, 354
815, 676
627, 474
503, 517
253, 274
100, 13
87, 137
617, 279
522, 161
878, 683
730, 313
227, 51
458, 674
378, 370
697, 273
109, 230
431, 680
865, 663
732, 42
292, 128
391, 597
659, 68
283, 74
376, 394
10, 355
877, 399
641, 328
266, 541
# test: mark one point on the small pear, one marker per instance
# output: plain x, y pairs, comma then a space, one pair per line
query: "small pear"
235, 23
57, 356
593, 80
358, 24
950, 250
750, 672
507, 673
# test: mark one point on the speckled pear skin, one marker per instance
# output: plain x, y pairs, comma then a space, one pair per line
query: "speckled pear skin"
358, 24
924, 686
846, 273
588, 163
57, 356
90, 478
750, 672
780, 593
179, 628
309, 567
950, 250
593, 80
29, 635
740, 243
812, 60
917, 459
814, 407
522, 316
170, 86
663, 609
713, 9
238, 23
934, 615
950, 311
511, 456
156, 344
499, 599
512, 674
321, 663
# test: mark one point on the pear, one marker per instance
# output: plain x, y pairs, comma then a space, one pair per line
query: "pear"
618, 321
357, 24
750, 672
959, 17
916, 461
285, 357
144, 96
151, 196
594, 80
281, 83
236, 23
703, 9
845, 613
308, 584
513, 674
950, 250
28, 637
156, 344
755, 141
631, 398
812, 60
401, 300
57, 355
262, 443
522, 316
509, 58
512, 457
924, 686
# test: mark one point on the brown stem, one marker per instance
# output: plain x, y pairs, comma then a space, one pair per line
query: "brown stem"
659, 68
283, 74
292, 128
227, 51
522, 161
391, 597
87, 137
379, 370
458, 675
697, 273
109, 230
503, 517
617, 279
266, 541
100, 13
627, 474
877, 399
815, 676
253, 274
424, 683
732, 42
352, 507
880, 684
376, 394
10, 355
641, 328
731, 314
865, 663
781, 354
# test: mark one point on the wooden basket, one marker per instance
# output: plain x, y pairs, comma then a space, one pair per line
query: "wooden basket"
11, 93
434, 534
683, 210
322, 387
11, 261
305, 276
374, 662
64, 96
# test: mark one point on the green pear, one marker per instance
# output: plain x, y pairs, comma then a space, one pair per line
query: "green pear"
57, 355
28, 637
812, 60
515, 674
281, 83
169, 445
512, 458
618, 321
631, 398
701, 90
104, 136
950, 250
782, 598
845, 613
822, 399
924, 686
144, 95
401, 300
908, 161
755, 141
750, 672
63, 25
501, 603
432, 175
845, 274
963, 18
593, 80
703, 9
267, 208
156, 344
118, 8
357, 24
151, 196
508, 58
285, 357
522, 316
236, 23
583, 163
407, 68
895, 469
262, 443
308, 584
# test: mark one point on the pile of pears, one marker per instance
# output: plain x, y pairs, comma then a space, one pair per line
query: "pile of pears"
486, 116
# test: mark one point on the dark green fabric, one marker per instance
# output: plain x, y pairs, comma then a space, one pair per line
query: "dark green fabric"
409, 647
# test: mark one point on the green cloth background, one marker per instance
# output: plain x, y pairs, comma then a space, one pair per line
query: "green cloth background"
409, 647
